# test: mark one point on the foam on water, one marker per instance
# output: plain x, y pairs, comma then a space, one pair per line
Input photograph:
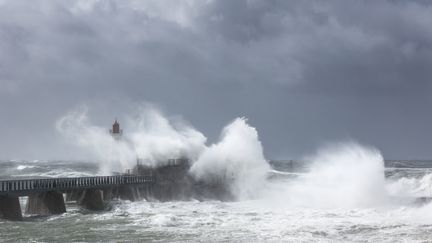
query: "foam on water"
245, 220
340, 176
411, 187
23, 167
59, 173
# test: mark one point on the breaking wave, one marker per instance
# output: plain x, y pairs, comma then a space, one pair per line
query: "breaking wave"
341, 175
237, 159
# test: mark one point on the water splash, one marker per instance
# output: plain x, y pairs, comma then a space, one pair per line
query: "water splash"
237, 158
155, 138
113, 155
411, 187
341, 176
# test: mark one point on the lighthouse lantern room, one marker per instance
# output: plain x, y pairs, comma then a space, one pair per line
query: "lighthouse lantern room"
116, 132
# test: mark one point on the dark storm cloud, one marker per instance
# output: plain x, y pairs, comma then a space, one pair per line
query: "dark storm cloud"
304, 72
337, 44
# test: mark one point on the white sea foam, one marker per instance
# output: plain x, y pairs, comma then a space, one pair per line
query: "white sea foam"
247, 221
411, 187
341, 175
57, 173
23, 167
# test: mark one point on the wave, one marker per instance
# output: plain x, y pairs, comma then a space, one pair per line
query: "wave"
411, 187
23, 167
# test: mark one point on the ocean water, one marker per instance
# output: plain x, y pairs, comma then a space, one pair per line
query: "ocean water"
292, 208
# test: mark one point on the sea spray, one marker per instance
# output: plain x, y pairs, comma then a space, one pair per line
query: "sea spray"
341, 176
237, 159
156, 138
410, 187
113, 155
151, 137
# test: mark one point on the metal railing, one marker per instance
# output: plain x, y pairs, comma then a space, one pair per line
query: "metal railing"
70, 184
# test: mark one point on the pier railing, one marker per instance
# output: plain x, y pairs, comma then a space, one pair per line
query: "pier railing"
26, 186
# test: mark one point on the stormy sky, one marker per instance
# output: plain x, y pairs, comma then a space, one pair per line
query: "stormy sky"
304, 72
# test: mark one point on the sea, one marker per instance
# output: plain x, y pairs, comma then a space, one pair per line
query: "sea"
344, 204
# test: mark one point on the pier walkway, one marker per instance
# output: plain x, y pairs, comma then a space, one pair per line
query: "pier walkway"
46, 196
26, 186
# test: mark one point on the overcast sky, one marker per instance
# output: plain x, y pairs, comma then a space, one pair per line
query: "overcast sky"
303, 72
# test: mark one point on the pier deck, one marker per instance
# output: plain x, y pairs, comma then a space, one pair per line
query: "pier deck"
23, 187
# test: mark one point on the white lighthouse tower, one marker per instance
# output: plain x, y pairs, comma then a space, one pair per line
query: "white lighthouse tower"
116, 132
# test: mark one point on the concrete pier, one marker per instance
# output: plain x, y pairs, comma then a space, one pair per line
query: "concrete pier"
92, 199
10, 207
108, 194
46, 203
146, 192
45, 196
130, 193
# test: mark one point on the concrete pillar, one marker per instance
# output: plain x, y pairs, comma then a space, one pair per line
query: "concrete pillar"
163, 192
130, 193
146, 192
108, 194
46, 203
92, 199
10, 208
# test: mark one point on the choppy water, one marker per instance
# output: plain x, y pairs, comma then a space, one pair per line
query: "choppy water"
259, 220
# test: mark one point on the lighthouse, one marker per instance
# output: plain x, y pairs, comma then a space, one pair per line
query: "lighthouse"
116, 132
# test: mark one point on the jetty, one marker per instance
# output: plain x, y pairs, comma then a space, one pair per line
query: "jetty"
46, 196
167, 181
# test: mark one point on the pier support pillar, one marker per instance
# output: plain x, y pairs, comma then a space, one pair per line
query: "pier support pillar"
108, 194
92, 199
46, 203
130, 193
146, 192
10, 208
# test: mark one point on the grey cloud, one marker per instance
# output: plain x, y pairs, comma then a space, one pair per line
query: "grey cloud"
336, 43
304, 72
